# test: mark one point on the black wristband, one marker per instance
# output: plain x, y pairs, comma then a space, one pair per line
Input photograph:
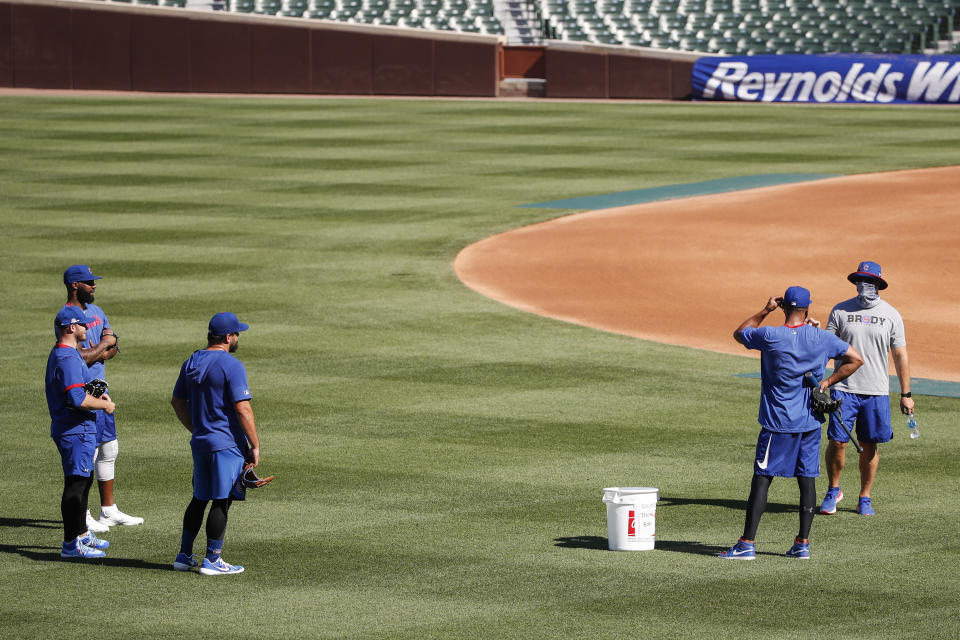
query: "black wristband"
908, 394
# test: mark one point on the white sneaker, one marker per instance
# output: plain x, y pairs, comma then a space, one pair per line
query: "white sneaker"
95, 526
118, 517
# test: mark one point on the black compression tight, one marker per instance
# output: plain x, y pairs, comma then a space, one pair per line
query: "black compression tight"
73, 505
808, 502
216, 520
757, 503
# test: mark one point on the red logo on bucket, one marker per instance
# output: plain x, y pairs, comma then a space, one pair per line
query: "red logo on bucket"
632, 524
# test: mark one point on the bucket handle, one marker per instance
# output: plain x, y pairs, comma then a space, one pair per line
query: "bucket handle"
621, 499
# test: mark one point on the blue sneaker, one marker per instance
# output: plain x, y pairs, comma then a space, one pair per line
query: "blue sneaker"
740, 551
829, 504
185, 562
90, 539
75, 549
864, 508
218, 568
799, 550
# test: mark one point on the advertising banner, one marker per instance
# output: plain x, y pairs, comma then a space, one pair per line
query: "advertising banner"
837, 78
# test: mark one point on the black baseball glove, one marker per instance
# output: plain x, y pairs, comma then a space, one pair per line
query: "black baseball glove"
251, 480
823, 404
116, 337
96, 387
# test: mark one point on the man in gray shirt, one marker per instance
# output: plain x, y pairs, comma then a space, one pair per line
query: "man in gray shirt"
875, 329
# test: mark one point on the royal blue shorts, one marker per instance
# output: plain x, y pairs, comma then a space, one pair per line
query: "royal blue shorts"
788, 455
870, 413
214, 474
76, 453
106, 427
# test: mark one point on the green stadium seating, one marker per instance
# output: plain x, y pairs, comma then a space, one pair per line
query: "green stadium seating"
713, 26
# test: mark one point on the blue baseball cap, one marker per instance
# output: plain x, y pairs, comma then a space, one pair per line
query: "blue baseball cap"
69, 315
225, 323
796, 298
78, 273
869, 271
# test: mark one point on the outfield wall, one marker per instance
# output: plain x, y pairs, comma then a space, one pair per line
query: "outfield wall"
90, 45
579, 70
62, 44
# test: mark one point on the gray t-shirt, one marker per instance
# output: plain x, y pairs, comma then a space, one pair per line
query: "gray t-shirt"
872, 332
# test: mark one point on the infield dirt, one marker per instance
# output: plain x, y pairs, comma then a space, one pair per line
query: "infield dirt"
688, 271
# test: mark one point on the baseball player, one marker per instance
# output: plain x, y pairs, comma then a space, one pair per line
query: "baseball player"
73, 427
212, 400
789, 442
99, 346
875, 328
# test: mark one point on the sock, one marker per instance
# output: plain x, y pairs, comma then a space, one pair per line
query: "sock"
186, 542
214, 549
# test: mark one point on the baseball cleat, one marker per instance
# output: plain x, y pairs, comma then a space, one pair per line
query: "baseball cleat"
740, 551
829, 504
799, 550
218, 568
864, 508
90, 539
113, 516
95, 526
185, 562
75, 549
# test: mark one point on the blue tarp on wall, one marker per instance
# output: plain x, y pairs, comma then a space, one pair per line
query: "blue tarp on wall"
838, 78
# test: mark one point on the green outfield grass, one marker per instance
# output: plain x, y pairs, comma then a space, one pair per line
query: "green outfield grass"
440, 458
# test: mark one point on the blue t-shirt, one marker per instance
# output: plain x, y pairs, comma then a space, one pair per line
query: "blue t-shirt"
211, 382
96, 323
66, 375
786, 354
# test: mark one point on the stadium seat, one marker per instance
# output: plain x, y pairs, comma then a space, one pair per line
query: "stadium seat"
293, 8
727, 26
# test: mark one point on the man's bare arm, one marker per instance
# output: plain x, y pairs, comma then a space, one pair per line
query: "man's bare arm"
846, 364
182, 408
249, 425
103, 350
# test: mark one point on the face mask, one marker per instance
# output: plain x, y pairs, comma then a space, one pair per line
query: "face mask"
867, 294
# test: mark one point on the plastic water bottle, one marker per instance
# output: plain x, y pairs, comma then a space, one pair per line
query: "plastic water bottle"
912, 425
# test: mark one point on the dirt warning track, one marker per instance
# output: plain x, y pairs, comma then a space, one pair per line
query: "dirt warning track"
688, 271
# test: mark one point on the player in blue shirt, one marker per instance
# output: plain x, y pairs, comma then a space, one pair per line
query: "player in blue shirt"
99, 346
212, 400
789, 441
73, 427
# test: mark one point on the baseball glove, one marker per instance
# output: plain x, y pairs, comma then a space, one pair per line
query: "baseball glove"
96, 387
116, 337
823, 404
251, 480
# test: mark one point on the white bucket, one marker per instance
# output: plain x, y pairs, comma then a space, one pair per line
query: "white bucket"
631, 517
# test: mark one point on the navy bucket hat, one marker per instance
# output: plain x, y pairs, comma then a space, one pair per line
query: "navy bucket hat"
869, 272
